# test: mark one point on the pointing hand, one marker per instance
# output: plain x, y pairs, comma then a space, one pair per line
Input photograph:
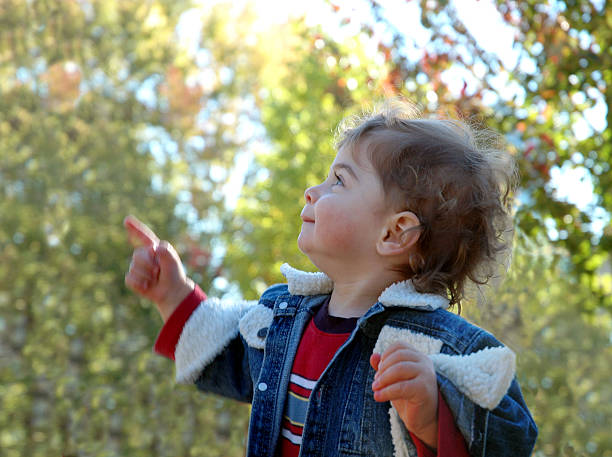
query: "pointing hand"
156, 271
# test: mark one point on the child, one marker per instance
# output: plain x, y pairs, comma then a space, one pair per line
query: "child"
362, 358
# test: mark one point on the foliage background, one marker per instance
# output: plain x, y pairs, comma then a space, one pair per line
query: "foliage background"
109, 108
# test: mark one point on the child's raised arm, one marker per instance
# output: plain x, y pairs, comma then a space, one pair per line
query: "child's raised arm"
156, 271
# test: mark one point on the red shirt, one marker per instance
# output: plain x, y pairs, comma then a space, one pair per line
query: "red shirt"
321, 340
307, 367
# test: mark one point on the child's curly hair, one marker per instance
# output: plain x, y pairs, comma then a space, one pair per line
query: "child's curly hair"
457, 180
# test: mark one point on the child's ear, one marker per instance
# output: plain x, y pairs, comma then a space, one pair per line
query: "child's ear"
396, 237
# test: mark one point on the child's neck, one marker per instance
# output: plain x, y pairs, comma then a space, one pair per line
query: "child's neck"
355, 298
348, 305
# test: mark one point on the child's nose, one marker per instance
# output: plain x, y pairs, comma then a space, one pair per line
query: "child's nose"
310, 195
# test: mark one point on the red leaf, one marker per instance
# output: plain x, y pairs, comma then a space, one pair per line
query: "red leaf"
548, 140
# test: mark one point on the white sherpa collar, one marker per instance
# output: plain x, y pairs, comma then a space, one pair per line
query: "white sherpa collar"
304, 283
397, 294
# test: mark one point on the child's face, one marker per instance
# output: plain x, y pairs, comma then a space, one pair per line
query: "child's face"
344, 216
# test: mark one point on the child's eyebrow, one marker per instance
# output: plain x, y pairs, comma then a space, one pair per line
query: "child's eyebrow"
347, 167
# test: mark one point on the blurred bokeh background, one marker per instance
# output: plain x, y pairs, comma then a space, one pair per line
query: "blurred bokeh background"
207, 120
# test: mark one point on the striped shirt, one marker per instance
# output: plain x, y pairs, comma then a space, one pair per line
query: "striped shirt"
321, 340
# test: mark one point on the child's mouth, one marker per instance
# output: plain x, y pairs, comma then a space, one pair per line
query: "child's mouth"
306, 218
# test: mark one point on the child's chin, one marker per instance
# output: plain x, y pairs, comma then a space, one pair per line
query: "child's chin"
305, 249
302, 245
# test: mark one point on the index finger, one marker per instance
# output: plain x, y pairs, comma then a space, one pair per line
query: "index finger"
139, 234
401, 346
399, 353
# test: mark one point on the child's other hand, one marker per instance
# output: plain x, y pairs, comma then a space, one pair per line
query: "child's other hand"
408, 380
156, 271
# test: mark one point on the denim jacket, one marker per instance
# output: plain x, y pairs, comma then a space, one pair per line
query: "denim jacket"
245, 351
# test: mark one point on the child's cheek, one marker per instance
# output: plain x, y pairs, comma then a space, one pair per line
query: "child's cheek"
337, 228
342, 237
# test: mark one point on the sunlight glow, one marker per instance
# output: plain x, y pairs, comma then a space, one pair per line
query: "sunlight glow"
482, 19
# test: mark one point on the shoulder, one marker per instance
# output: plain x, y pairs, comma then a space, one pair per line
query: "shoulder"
457, 334
272, 294
466, 356
255, 323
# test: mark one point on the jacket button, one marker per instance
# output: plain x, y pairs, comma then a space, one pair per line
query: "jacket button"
262, 386
283, 305
262, 332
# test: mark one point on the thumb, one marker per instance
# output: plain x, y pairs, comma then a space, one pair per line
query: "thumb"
166, 256
374, 361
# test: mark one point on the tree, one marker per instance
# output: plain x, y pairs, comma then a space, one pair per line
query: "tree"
559, 75
325, 82
105, 110
539, 312
101, 116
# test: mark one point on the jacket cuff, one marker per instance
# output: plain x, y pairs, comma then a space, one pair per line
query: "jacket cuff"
421, 448
169, 335
450, 439
207, 332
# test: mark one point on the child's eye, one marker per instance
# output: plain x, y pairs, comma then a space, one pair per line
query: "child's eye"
338, 180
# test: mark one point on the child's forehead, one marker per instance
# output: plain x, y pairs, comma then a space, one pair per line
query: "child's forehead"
356, 152
361, 153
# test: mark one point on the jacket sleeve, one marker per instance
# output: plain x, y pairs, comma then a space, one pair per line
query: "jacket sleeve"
507, 429
203, 338
169, 335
